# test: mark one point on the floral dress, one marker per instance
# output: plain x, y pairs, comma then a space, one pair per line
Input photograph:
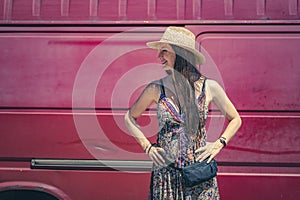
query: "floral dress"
166, 182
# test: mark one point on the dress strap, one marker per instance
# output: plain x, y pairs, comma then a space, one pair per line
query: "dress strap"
202, 90
162, 89
203, 87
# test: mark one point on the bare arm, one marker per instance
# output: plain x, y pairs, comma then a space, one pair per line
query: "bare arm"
221, 100
227, 108
150, 95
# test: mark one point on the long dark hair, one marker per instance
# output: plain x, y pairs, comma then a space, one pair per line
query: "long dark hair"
186, 73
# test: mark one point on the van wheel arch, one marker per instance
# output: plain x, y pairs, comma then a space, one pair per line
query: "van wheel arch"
17, 190
20, 194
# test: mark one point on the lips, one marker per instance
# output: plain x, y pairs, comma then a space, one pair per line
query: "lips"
163, 63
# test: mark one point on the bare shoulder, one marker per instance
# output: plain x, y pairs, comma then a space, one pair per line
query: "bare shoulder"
213, 89
154, 86
153, 90
212, 83
149, 95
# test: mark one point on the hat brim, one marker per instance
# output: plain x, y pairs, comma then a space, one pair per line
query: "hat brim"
200, 59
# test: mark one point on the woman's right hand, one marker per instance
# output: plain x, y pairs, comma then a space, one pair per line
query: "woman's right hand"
157, 156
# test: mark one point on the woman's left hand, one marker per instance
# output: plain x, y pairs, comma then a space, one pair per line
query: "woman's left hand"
211, 149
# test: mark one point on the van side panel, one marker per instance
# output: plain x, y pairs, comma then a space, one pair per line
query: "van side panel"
69, 71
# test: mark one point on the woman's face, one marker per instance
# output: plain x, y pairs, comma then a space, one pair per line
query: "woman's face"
166, 56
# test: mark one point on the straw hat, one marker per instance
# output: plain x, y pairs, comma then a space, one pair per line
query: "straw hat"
181, 37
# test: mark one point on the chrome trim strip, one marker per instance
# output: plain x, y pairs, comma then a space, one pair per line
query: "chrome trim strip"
127, 165
130, 165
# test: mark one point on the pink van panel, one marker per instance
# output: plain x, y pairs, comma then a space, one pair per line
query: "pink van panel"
145, 11
65, 90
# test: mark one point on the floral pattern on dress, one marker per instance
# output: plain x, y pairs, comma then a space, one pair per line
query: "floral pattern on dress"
166, 182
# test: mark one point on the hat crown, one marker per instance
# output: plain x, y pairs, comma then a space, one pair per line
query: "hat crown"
179, 36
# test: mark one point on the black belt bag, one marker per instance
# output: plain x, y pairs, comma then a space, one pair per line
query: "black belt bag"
197, 172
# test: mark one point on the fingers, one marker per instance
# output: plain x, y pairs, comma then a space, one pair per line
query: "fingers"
156, 154
204, 153
209, 151
201, 149
160, 150
206, 147
210, 158
203, 156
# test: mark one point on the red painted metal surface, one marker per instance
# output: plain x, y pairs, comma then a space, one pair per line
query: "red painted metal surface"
78, 185
43, 75
64, 91
141, 11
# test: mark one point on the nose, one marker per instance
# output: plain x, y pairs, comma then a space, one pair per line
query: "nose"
160, 55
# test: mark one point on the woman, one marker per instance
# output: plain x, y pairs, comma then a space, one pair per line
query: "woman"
182, 99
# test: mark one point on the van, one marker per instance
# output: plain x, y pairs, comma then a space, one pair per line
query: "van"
69, 71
